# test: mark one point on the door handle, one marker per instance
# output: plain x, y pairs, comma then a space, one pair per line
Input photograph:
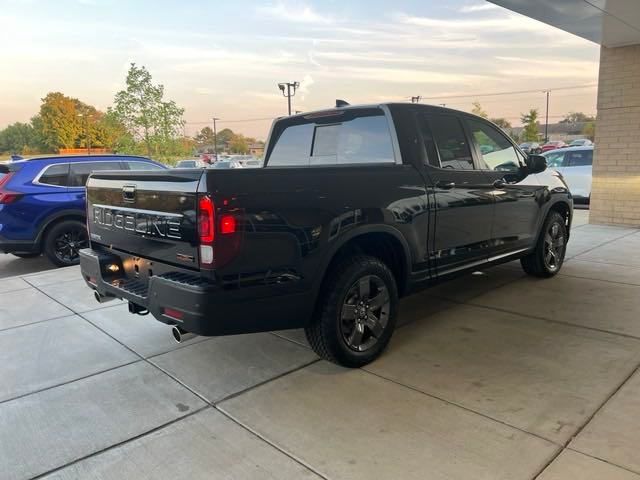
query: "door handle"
445, 184
500, 183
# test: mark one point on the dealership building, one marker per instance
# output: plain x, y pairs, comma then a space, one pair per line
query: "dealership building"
615, 25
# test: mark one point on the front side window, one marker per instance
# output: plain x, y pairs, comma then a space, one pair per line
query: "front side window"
497, 152
363, 138
451, 142
79, 172
580, 158
57, 175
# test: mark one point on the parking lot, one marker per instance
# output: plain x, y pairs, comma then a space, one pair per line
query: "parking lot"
477, 383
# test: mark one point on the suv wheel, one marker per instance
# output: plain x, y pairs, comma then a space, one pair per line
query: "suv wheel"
63, 242
548, 255
357, 313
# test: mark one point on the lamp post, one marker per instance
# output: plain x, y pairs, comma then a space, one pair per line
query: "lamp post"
215, 139
288, 86
87, 140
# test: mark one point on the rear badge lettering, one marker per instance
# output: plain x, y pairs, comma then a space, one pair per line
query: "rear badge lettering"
138, 222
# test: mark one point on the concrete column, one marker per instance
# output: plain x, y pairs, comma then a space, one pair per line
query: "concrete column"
615, 193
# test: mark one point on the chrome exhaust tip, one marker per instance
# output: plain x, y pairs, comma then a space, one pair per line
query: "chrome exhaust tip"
180, 335
102, 298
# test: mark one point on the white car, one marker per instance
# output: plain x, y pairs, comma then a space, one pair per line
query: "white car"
575, 164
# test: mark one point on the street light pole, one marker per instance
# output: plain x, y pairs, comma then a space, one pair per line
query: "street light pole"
288, 86
215, 139
546, 121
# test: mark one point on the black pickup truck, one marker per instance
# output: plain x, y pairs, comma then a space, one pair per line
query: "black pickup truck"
355, 207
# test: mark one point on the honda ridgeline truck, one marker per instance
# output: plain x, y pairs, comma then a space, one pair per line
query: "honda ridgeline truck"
354, 208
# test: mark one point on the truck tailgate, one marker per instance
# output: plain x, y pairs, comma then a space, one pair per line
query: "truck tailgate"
147, 214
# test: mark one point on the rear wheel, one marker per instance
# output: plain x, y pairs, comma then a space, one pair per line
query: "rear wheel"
63, 242
548, 256
357, 316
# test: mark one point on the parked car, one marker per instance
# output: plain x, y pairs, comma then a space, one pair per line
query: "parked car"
581, 142
355, 207
226, 164
531, 147
553, 145
42, 203
575, 164
191, 164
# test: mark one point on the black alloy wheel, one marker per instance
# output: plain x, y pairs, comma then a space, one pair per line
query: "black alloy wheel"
62, 243
365, 313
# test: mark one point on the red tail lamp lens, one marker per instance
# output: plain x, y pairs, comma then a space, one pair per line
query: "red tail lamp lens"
227, 224
173, 313
206, 220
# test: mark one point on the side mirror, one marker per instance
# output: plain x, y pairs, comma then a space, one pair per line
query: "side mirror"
536, 164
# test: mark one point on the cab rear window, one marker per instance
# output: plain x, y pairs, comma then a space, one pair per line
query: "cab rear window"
338, 138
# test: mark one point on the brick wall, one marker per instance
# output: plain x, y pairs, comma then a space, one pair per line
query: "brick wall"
615, 194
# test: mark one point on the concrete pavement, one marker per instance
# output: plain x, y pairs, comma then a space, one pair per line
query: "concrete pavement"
491, 376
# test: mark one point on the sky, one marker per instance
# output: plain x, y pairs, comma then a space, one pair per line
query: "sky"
225, 58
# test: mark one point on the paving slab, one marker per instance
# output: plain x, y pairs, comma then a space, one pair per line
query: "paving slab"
580, 217
295, 335
45, 354
206, 445
607, 272
624, 251
525, 372
223, 366
22, 307
76, 295
588, 237
11, 266
573, 465
608, 306
12, 284
614, 433
49, 429
351, 424
467, 287
143, 334
58, 275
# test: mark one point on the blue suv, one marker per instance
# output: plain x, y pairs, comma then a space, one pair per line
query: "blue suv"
42, 203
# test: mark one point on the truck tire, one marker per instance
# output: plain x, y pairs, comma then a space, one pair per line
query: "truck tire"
63, 241
356, 314
548, 256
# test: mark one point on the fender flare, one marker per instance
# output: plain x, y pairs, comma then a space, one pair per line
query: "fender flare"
56, 217
356, 232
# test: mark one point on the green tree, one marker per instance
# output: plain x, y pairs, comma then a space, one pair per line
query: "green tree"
239, 144
589, 130
530, 123
59, 122
577, 117
205, 137
18, 138
478, 110
146, 116
503, 123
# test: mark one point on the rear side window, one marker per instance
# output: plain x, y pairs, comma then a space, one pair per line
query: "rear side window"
79, 172
146, 166
581, 158
451, 142
556, 159
356, 139
57, 175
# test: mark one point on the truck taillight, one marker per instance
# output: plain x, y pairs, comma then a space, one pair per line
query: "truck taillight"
206, 229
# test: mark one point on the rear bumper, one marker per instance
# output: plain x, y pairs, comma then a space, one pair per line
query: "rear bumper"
206, 308
18, 246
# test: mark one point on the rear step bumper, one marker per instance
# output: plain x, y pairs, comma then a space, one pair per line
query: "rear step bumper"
206, 308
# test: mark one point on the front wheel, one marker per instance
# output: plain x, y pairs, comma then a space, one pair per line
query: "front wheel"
548, 256
357, 314
63, 242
